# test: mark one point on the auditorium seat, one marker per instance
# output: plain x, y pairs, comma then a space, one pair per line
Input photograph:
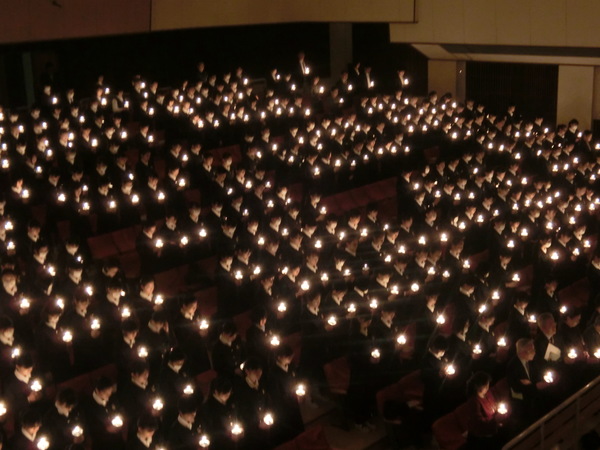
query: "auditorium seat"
337, 373
312, 439
409, 389
102, 246
124, 238
450, 431
203, 381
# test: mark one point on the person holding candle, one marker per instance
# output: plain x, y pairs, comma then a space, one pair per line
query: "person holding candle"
52, 346
25, 437
58, 421
433, 376
281, 386
99, 410
17, 386
525, 381
145, 433
252, 403
484, 416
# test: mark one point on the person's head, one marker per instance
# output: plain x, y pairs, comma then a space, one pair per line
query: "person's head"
24, 364
104, 388
228, 332
479, 384
66, 399
176, 358
130, 328
140, 372
438, 346
525, 349
7, 327
147, 426
221, 388
547, 324
284, 354
187, 408
253, 369
31, 421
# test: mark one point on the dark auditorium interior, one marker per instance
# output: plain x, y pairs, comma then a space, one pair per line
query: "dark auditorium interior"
299, 225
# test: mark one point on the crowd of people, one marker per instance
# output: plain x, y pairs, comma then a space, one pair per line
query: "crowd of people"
495, 214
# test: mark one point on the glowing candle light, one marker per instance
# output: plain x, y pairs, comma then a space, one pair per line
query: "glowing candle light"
502, 408
158, 404
67, 336
450, 369
43, 443
401, 339
236, 429
117, 421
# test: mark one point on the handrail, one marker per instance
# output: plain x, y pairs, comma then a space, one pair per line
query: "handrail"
527, 440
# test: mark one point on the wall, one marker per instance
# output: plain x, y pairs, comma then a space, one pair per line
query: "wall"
42, 20
575, 87
35, 20
171, 14
559, 23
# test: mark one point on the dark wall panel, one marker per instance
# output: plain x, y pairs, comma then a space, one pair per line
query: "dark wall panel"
531, 87
371, 44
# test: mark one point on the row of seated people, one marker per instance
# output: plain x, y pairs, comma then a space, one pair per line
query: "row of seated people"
257, 407
274, 277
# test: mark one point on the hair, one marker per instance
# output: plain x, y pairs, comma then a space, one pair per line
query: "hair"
522, 343
103, 383
284, 351
67, 396
477, 381
221, 385
24, 360
30, 418
439, 343
147, 422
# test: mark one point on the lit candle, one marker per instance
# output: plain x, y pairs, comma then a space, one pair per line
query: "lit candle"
3, 409
300, 390
477, 349
203, 324
549, 377
282, 307
236, 429
36, 385
158, 404
401, 339
268, 419
275, 341
572, 354
77, 431
117, 421
204, 441
532, 318
95, 325
375, 353
67, 336
440, 320
43, 443
449, 369
502, 408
